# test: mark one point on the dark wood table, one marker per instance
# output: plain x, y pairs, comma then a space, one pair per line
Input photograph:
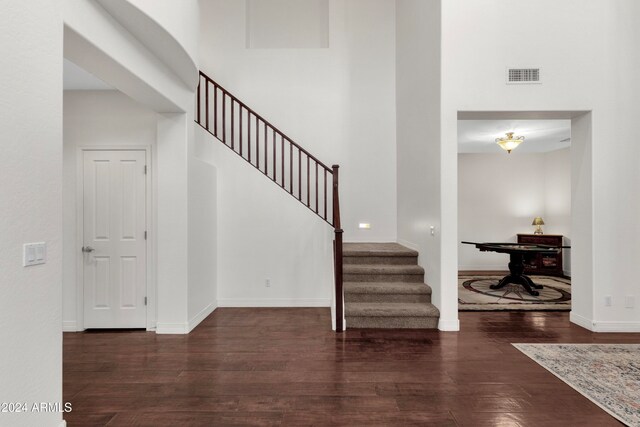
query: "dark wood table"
517, 252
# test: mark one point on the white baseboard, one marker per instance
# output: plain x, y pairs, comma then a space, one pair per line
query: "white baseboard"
274, 302
172, 328
605, 326
195, 320
581, 321
69, 326
449, 325
408, 244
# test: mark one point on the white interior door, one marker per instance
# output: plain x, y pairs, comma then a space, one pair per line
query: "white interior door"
114, 232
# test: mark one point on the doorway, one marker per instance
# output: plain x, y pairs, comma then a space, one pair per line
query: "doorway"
113, 233
572, 221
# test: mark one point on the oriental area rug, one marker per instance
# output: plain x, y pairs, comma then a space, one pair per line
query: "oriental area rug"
606, 374
475, 294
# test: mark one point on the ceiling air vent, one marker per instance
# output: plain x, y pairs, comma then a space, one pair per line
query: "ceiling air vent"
523, 76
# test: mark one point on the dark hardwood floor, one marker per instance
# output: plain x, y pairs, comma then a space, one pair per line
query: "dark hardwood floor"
285, 367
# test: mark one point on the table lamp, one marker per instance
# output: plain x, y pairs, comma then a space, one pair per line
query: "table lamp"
538, 222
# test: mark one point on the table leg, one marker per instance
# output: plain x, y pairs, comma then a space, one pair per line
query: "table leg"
516, 268
531, 283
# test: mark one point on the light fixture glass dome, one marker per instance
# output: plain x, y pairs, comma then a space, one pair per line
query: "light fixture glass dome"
510, 142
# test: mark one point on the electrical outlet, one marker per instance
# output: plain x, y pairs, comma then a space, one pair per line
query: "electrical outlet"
607, 301
629, 301
267, 283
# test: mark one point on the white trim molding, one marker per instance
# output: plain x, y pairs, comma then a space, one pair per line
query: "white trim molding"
581, 321
604, 325
613, 326
172, 328
274, 302
70, 326
449, 325
203, 314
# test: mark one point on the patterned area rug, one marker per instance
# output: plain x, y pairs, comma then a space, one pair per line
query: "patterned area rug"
474, 294
607, 374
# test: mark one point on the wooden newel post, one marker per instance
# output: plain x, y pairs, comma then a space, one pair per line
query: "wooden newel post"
198, 98
338, 251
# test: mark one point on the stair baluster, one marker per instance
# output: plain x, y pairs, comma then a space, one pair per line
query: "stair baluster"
236, 144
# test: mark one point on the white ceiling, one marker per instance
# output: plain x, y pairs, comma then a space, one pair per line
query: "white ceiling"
541, 136
76, 78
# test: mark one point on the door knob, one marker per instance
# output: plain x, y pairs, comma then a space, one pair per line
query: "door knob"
87, 249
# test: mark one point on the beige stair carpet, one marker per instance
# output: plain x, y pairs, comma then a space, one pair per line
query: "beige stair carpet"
384, 288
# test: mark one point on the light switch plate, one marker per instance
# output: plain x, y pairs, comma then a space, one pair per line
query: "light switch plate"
34, 254
629, 301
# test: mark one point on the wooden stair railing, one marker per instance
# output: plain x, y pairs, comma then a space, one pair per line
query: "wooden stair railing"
278, 157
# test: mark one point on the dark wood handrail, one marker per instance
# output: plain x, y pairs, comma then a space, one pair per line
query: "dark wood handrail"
262, 119
265, 145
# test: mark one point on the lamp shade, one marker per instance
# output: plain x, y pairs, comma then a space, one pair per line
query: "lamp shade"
537, 221
509, 142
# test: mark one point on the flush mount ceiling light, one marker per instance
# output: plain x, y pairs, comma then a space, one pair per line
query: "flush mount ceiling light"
510, 142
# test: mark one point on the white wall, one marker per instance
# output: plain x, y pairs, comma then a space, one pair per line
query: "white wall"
268, 27
498, 197
173, 223
336, 102
203, 241
31, 208
187, 223
500, 194
95, 119
557, 199
418, 134
184, 30
582, 64
264, 233
582, 307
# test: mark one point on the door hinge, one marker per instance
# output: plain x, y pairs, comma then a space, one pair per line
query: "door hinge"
145, 235
145, 300
145, 169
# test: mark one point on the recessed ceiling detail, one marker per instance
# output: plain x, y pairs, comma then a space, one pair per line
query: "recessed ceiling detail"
542, 136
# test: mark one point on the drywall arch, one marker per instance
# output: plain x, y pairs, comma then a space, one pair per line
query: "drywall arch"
99, 43
167, 28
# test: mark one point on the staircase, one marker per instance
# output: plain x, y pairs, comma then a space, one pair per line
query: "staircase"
382, 283
384, 288
277, 157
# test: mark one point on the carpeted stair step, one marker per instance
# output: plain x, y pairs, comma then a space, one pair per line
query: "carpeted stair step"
387, 292
378, 253
384, 288
383, 273
391, 315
